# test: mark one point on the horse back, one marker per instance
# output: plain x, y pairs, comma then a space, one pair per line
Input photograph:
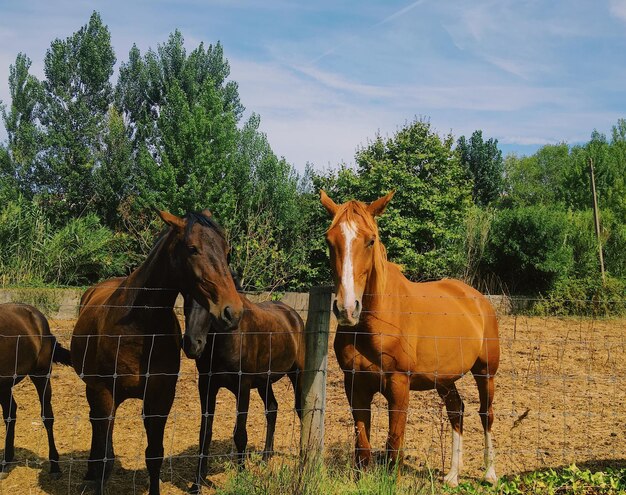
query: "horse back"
272, 336
24, 341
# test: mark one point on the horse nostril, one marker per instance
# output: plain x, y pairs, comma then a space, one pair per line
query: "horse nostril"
335, 308
357, 308
227, 314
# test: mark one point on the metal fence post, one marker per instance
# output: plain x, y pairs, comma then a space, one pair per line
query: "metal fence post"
314, 374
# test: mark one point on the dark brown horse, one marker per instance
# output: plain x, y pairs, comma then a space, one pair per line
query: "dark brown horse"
27, 348
395, 335
126, 342
267, 344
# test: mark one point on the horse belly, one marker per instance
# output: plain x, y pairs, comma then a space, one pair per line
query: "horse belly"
444, 359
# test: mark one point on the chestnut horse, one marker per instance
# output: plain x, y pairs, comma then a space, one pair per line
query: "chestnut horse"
126, 342
267, 345
27, 348
395, 335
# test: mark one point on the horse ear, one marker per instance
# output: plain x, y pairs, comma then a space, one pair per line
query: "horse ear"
207, 213
171, 219
378, 207
329, 204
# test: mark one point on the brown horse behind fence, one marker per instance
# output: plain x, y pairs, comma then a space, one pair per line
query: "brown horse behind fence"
395, 335
126, 342
267, 344
27, 348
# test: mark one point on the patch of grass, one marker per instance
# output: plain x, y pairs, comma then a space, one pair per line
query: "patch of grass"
46, 300
342, 479
566, 481
332, 478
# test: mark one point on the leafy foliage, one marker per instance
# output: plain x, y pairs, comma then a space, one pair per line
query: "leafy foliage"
87, 158
483, 163
34, 252
422, 226
528, 248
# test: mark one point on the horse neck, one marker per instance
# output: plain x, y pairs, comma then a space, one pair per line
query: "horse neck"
376, 295
157, 275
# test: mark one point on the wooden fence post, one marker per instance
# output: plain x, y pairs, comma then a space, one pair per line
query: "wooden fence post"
314, 374
596, 218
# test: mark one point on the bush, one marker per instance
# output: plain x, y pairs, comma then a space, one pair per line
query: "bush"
585, 297
528, 249
33, 252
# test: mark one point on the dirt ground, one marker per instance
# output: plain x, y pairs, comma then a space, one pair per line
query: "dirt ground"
560, 398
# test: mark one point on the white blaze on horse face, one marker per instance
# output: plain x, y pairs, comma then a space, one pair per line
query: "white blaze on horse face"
349, 232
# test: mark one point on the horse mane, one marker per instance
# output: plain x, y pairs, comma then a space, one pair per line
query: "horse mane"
194, 217
353, 211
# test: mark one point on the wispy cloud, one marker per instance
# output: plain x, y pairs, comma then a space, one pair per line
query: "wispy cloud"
618, 8
400, 12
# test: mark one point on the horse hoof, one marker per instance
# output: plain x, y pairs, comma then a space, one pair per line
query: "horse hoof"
195, 489
451, 479
491, 476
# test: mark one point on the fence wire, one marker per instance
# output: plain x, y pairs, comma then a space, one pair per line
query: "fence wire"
559, 399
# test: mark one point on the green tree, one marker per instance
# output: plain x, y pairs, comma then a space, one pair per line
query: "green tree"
24, 141
423, 226
145, 82
539, 179
115, 178
77, 96
483, 162
528, 250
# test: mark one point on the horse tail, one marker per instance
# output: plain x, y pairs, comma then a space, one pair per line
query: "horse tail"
60, 354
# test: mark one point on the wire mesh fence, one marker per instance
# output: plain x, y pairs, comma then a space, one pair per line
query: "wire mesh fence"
559, 399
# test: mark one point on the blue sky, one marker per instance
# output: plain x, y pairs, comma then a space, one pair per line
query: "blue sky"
326, 76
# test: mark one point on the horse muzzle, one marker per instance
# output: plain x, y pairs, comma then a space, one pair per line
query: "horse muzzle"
193, 347
347, 315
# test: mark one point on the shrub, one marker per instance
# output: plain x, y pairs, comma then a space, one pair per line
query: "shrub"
585, 297
527, 248
33, 252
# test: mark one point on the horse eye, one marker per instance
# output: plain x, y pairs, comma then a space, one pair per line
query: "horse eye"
192, 249
371, 242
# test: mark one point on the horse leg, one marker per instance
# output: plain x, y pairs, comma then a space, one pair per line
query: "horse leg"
102, 409
360, 395
208, 396
454, 408
396, 392
9, 410
241, 434
296, 381
44, 390
271, 411
157, 404
486, 387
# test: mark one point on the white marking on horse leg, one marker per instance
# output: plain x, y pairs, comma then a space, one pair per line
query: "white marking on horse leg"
347, 276
490, 460
452, 478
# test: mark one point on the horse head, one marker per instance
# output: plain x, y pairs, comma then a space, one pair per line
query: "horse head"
198, 252
198, 323
356, 254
